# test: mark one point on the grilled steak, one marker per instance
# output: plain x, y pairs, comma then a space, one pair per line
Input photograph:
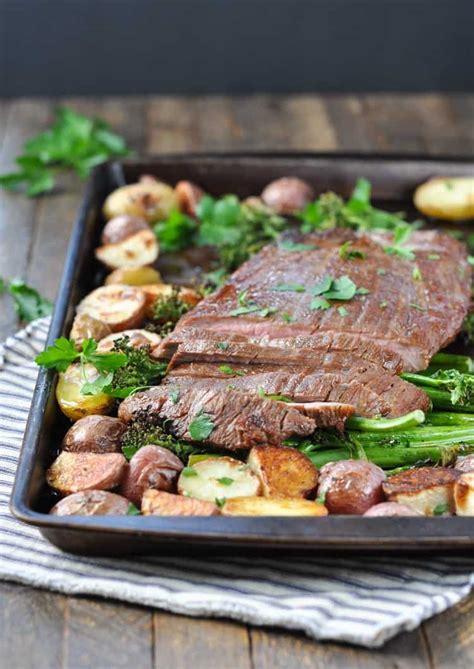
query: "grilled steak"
240, 420
260, 335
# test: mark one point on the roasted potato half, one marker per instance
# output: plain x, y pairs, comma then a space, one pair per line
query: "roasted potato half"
284, 472
465, 464
74, 472
136, 251
272, 506
390, 510
72, 402
122, 227
158, 503
425, 489
217, 478
136, 338
449, 198
464, 495
87, 327
351, 486
94, 434
188, 196
133, 276
91, 503
120, 307
151, 467
287, 195
149, 200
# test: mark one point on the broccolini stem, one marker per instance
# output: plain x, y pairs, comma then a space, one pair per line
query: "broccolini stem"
463, 363
386, 424
441, 399
449, 418
419, 435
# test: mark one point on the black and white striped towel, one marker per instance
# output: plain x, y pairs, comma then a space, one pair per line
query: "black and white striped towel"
360, 600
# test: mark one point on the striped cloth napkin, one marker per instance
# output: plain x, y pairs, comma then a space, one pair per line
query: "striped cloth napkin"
362, 600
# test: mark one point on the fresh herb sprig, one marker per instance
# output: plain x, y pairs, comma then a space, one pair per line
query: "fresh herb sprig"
28, 303
73, 142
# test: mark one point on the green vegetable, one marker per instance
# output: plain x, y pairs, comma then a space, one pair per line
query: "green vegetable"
225, 480
225, 369
286, 317
440, 509
166, 312
73, 142
29, 304
133, 511
346, 252
459, 386
276, 398
220, 501
386, 424
142, 432
176, 233
189, 471
294, 247
418, 307
174, 396
247, 307
381, 271
201, 427
342, 311
468, 328
63, 353
416, 274
289, 288
463, 363
222, 345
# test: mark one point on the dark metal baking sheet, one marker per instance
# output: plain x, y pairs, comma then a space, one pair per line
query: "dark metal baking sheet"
393, 180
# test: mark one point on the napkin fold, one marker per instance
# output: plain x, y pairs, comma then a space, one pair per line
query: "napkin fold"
358, 599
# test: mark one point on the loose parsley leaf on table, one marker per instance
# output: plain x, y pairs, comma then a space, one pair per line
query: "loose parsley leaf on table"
73, 142
29, 304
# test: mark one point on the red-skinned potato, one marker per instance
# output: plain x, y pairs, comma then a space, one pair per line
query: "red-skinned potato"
122, 227
188, 196
87, 327
91, 503
137, 338
158, 503
390, 510
150, 200
351, 486
284, 472
287, 195
94, 434
465, 464
151, 467
74, 472
137, 250
120, 307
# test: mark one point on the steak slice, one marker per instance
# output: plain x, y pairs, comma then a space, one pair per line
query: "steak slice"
370, 390
240, 420
407, 314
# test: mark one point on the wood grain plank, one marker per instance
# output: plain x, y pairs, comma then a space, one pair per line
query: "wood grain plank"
450, 637
193, 643
17, 212
280, 650
31, 628
171, 125
309, 124
346, 114
394, 123
107, 634
262, 122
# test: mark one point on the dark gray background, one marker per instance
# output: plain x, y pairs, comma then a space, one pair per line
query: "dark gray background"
53, 47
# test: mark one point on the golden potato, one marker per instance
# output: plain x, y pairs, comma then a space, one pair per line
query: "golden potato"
216, 478
272, 506
72, 403
133, 276
449, 198
136, 251
136, 338
122, 227
120, 307
149, 200
73, 472
284, 472
158, 503
87, 327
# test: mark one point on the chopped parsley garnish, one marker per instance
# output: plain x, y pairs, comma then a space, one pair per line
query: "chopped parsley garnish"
416, 274
220, 501
383, 305
174, 396
319, 304
342, 311
440, 509
223, 345
289, 288
225, 480
133, 511
381, 271
434, 256
329, 288
189, 471
201, 426
413, 305
275, 398
346, 252
401, 234
247, 307
362, 291
225, 369
286, 317
295, 247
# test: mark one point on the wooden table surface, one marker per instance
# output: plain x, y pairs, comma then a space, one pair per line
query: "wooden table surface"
44, 630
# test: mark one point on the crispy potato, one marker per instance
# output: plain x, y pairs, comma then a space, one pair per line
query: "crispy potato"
215, 478
272, 506
94, 434
287, 195
122, 227
450, 198
188, 196
351, 486
91, 503
424, 489
157, 290
390, 510
137, 338
158, 503
464, 495
465, 464
87, 327
133, 276
120, 307
151, 467
72, 403
73, 472
284, 472
136, 251
150, 200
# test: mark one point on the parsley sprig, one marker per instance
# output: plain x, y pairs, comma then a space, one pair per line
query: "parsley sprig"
29, 304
